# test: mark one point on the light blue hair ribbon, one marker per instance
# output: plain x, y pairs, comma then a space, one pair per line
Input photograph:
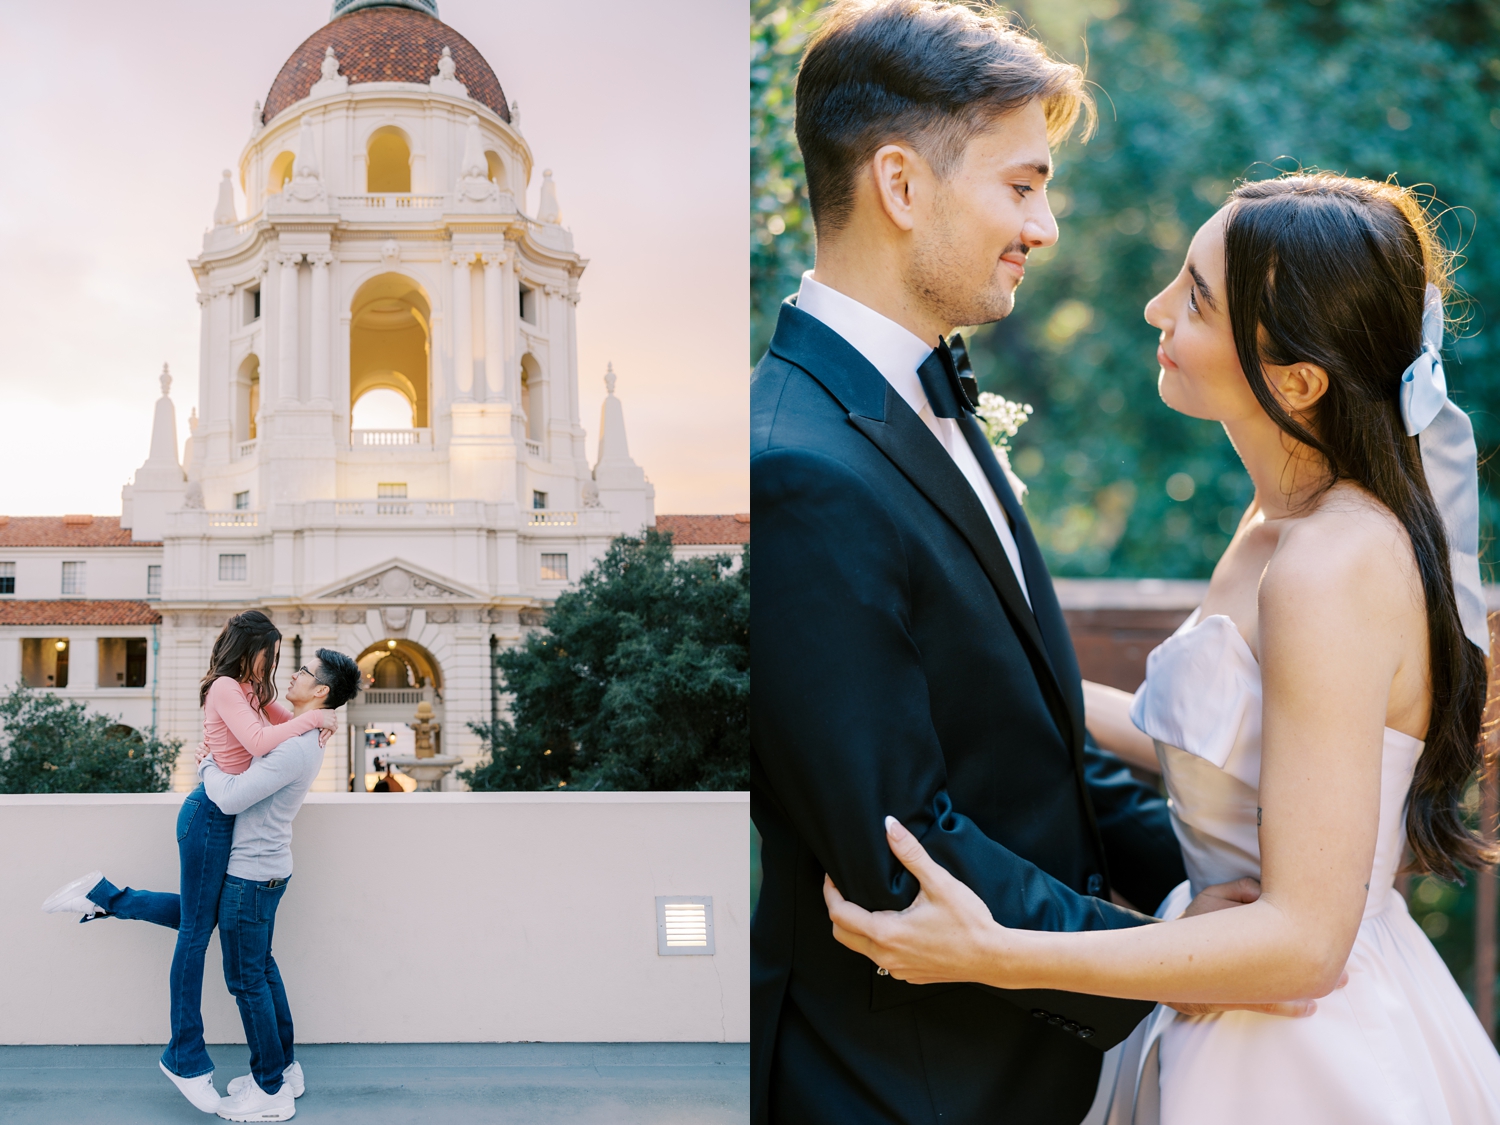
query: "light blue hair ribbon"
1450, 458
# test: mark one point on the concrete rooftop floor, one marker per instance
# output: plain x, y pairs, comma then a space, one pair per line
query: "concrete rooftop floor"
375, 1084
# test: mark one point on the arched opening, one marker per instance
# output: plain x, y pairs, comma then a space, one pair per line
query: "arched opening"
382, 408
281, 172
531, 396
247, 398
399, 677
495, 168
389, 349
388, 161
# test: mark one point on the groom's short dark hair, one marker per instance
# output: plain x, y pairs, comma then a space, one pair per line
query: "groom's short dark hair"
340, 674
927, 72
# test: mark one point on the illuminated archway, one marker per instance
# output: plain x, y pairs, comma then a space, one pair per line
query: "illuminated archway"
388, 161
281, 172
390, 343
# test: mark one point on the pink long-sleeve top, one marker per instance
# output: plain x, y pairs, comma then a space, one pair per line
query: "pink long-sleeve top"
236, 730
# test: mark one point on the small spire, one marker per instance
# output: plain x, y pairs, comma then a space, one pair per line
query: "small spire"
257, 118
166, 380
547, 209
224, 212
474, 165
330, 65
609, 377
305, 166
445, 65
193, 420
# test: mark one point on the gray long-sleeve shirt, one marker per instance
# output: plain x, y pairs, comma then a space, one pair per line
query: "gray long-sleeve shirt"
264, 800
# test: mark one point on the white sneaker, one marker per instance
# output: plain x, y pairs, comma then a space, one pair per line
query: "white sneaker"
291, 1081
72, 898
252, 1103
200, 1091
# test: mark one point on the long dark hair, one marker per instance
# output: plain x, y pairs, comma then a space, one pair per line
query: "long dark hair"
244, 637
1333, 271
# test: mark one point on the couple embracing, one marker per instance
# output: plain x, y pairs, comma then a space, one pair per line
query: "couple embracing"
971, 911
234, 832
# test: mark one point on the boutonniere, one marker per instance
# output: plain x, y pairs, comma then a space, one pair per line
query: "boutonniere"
1000, 418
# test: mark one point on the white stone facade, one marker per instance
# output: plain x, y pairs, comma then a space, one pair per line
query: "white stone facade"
437, 536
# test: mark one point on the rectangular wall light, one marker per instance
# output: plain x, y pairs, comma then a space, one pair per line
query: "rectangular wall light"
684, 925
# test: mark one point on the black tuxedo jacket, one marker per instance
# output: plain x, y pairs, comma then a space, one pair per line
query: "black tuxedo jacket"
898, 670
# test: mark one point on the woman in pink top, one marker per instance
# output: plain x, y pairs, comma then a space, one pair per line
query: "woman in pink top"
241, 721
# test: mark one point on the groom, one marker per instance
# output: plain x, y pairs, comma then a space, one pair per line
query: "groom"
910, 658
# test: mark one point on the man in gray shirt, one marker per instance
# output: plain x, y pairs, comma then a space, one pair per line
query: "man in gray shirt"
264, 800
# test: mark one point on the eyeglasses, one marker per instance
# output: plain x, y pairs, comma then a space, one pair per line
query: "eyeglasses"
303, 671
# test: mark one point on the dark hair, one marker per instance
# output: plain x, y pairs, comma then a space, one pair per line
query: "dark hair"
1334, 271
243, 638
926, 72
337, 672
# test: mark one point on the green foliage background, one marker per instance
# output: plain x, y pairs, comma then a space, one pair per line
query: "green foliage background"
51, 745
1193, 96
641, 680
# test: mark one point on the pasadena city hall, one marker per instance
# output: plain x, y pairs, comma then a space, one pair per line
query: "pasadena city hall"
386, 454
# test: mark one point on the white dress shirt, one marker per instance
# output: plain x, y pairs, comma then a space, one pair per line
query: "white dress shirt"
896, 354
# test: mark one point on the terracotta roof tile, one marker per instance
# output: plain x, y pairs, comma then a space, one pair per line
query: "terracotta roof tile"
691, 531
385, 45
79, 612
67, 531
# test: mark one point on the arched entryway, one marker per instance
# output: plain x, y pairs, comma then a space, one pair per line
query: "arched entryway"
397, 678
390, 346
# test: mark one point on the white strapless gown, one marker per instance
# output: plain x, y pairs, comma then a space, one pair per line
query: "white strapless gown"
1398, 1044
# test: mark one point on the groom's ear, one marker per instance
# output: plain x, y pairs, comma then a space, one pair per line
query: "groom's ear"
898, 174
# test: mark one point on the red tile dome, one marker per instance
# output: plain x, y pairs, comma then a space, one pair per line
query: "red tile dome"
385, 44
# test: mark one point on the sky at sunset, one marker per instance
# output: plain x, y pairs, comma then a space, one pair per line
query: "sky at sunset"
121, 117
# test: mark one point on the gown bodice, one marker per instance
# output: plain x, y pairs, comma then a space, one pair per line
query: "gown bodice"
1201, 704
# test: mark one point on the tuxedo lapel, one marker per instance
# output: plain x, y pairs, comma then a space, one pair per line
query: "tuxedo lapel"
1062, 661
913, 449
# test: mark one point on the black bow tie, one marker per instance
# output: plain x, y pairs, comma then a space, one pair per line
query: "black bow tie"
948, 392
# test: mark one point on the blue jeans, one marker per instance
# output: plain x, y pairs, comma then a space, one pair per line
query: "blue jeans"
204, 837
247, 923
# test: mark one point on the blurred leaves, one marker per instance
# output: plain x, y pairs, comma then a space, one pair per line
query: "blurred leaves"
49, 744
1194, 95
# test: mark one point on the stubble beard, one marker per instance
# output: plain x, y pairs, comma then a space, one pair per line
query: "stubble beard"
952, 295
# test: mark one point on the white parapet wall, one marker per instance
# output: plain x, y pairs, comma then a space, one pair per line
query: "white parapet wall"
410, 918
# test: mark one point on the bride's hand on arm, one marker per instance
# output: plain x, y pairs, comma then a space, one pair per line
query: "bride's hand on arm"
1107, 716
946, 934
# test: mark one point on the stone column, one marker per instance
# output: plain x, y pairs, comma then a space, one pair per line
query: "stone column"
463, 327
570, 295
510, 314
495, 358
319, 329
286, 297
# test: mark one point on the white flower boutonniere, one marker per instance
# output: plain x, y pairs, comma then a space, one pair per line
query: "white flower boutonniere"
1000, 419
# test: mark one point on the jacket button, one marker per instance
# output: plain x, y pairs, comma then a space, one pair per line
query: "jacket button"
1055, 1021
1096, 884
1071, 1026
1038, 1013
1085, 1032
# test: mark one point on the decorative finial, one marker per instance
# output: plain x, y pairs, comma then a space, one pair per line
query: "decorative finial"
547, 208
330, 65
193, 420
445, 64
166, 381
224, 212
257, 117
609, 377
515, 116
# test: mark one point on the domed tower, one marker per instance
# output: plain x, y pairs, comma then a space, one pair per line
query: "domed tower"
389, 447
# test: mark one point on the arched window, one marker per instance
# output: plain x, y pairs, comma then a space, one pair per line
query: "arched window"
495, 168
281, 172
531, 396
246, 398
388, 162
388, 355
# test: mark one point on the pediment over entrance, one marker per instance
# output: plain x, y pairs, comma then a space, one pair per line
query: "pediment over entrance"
398, 581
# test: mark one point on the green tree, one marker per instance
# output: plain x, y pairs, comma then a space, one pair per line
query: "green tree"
781, 231
52, 745
640, 680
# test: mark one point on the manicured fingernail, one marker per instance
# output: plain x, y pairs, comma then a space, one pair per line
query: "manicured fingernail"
894, 827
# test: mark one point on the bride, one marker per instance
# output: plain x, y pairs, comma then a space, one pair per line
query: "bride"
1317, 716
